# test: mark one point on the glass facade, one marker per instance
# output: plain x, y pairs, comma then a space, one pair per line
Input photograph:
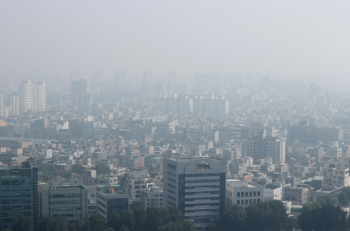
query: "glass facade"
19, 193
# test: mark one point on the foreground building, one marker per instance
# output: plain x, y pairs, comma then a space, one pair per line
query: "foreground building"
196, 186
70, 202
243, 193
19, 193
110, 201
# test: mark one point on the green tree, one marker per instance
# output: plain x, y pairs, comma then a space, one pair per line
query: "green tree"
140, 218
7, 229
233, 216
308, 218
78, 169
188, 226
347, 191
325, 200
97, 223
109, 229
330, 218
124, 228
102, 169
83, 226
154, 219
48, 169
16, 134
128, 220
72, 227
45, 223
23, 223
175, 214
115, 221
278, 217
164, 213
60, 224
343, 199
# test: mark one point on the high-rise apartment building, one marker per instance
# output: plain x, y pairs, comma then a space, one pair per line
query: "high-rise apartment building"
196, 186
172, 78
2, 104
203, 81
80, 93
262, 146
40, 100
19, 193
12, 80
30, 97
146, 84
119, 77
211, 106
26, 96
14, 103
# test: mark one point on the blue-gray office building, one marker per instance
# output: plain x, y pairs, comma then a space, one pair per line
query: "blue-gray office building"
19, 193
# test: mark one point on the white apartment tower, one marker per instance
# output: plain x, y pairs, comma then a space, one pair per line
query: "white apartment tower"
196, 186
41, 96
2, 104
14, 103
26, 96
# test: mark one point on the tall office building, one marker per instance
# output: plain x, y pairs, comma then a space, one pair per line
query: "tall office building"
262, 146
119, 77
172, 78
26, 96
40, 100
2, 104
19, 193
203, 81
146, 82
196, 186
80, 93
12, 80
14, 103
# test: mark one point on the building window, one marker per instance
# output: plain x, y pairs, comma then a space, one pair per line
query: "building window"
258, 194
246, 194
246, 201
238, 202
250, 194
242, 194
254, 194
238, 194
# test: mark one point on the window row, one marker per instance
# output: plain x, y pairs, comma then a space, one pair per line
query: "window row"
248, 194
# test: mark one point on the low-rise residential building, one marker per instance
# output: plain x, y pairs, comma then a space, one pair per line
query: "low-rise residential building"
328, 190
243, 193
273, 192
297, 195
152, 197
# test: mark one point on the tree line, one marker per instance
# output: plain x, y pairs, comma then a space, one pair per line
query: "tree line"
152, 219
266, 215
323, 214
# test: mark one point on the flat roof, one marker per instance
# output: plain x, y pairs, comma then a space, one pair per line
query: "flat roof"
68, 187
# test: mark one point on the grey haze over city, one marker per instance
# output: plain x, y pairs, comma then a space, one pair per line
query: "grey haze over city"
293, 39
174, 115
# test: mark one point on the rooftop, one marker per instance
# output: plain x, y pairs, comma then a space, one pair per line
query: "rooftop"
67, 187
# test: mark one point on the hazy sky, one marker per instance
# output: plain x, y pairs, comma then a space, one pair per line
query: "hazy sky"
284, 38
